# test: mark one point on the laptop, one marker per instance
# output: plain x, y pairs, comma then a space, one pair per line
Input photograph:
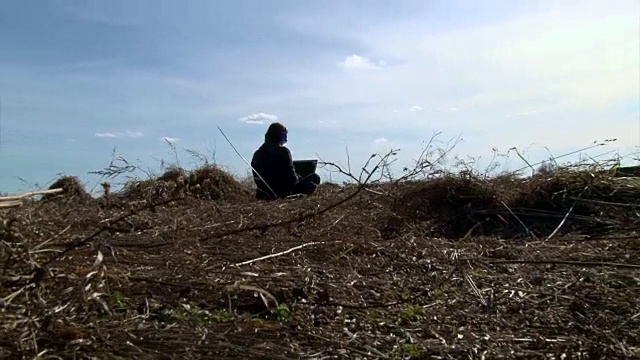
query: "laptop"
305, 167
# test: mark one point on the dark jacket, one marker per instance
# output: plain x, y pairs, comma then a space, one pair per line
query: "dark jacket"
275, 164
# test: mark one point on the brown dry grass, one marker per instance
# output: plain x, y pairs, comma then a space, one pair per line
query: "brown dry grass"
71, 188
452, 267
207, 182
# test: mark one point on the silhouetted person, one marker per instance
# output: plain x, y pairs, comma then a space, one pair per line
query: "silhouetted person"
274, 163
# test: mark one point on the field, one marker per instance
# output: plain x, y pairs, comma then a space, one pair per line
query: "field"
189, 266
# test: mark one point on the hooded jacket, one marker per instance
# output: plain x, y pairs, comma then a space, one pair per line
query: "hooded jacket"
275, 164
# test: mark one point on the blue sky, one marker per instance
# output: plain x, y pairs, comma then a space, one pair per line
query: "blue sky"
80, 78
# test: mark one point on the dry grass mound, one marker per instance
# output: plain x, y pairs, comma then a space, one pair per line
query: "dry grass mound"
585, 198
448, 206
556, 191
584, 202
588, 202
72, 189
208, 182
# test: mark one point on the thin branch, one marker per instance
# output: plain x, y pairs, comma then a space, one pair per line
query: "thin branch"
10, 204
246, 162
29, 194
603, 202
278, 254
563, 262
567, 215
517, 218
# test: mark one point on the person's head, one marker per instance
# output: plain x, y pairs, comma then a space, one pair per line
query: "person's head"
276, 134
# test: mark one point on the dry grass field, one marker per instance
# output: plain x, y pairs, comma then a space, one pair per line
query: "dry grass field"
188, 265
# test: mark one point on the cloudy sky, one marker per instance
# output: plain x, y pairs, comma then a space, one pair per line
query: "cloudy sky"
80, 78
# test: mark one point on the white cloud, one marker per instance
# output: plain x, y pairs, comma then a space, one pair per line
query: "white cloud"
170, 139
381, 140
589, 60
355, 62
107, 134
572, 64
259, 118
415, 108
120, 135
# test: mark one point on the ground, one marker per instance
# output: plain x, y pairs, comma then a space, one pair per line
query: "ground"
428, 269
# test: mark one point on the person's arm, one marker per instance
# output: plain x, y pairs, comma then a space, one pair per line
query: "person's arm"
289, 176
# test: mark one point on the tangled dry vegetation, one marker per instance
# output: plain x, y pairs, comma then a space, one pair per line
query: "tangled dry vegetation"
188, 265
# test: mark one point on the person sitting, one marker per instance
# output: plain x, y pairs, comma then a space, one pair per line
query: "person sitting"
276, 176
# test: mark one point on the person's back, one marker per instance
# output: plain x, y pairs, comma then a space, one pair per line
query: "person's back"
274, 164
271, 161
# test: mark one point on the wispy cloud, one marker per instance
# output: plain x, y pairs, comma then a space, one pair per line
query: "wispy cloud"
355, 62
170, 139
259, 118
415, 108
120, 135
381, 140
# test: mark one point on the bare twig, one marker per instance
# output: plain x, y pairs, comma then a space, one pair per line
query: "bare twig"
278, 254
563, 262
246, 162
518, 219
566, 215
10, 204
29, 194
